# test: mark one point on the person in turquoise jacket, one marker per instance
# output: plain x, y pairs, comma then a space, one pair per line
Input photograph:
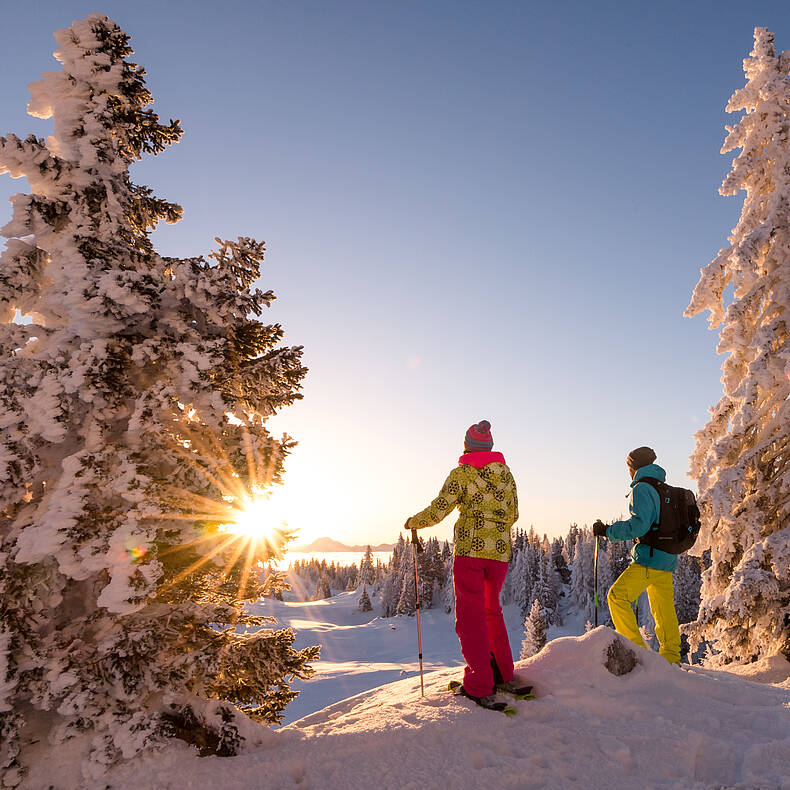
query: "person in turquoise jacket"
651, 568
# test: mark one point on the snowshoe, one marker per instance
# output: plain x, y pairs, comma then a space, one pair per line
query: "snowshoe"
489, 702
515, 689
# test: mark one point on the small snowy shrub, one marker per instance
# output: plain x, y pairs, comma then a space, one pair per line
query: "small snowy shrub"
620, 659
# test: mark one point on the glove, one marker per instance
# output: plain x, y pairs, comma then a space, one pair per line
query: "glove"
599, 528
406, 524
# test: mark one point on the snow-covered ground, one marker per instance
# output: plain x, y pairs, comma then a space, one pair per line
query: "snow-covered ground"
656, 727
361, 651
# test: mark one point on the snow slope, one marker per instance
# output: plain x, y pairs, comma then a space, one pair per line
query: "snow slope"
656, 727
361, 651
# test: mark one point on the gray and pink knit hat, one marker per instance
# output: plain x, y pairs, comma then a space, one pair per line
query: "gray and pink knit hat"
478, 437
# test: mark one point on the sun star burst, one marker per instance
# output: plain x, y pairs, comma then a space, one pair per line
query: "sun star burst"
253, 517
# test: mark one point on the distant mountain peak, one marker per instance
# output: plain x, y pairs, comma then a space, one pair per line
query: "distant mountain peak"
325, 545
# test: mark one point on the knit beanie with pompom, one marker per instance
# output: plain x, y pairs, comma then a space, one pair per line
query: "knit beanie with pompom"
478, 437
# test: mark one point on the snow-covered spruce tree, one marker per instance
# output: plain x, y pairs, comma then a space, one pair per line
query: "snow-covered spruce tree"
393, 579
544, 590
437, 563
687, 586
741, 460
581, 588
366, 572
570, 542
407, 601
619, 558
448, 597
560, 561
427, 566
364, 604
133, 402
322, 589
526, 571
534, 630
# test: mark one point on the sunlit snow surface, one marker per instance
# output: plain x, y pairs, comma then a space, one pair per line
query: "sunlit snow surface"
657, 727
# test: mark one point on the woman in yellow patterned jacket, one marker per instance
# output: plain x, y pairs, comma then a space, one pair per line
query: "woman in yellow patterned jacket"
484, 491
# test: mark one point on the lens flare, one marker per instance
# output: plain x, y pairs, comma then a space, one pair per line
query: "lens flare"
137, 553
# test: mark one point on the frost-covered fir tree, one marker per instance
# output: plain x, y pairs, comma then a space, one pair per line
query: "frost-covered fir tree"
741, 460
526, 570
570, 542
581, 590
606, 573
619, 552
687, 582
131, 405
544, 590
448, 597
560, 561
364, 601
534, 630
431, 572
434, 566
322, 589
390, 594
407, 602
393, 580
366, 572
447, 556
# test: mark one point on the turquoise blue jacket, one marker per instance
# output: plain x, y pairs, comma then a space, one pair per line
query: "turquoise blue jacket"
644, 508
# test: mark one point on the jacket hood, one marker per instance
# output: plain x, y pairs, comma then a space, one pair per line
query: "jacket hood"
651, 470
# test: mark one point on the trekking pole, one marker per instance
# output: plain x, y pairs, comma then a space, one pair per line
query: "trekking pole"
415, 543
636, 608
595, 580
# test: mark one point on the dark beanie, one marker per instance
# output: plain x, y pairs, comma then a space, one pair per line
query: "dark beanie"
640, 457
478, 437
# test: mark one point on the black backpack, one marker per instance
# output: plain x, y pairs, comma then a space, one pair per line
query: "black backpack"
678, 522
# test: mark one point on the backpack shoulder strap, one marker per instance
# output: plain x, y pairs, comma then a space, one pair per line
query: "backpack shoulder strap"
651, 481
655, 484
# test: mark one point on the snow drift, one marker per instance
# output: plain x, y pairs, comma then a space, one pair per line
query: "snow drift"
655, 727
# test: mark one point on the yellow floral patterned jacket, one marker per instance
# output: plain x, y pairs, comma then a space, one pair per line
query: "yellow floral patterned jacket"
484, 491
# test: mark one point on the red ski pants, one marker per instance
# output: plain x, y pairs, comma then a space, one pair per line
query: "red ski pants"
479, 622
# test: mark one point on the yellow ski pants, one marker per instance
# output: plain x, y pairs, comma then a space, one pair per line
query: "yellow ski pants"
633, 581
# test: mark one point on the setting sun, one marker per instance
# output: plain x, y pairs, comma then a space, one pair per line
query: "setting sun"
257, 518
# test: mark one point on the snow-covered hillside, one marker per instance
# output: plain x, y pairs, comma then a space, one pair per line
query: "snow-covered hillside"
655, 727
361, 651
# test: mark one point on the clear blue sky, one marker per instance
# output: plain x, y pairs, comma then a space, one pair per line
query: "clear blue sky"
473, 210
